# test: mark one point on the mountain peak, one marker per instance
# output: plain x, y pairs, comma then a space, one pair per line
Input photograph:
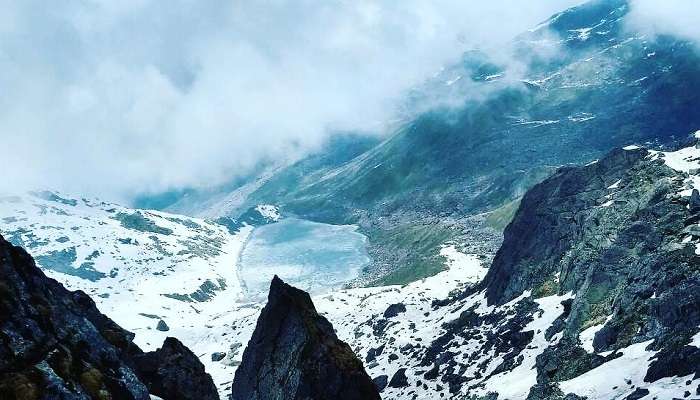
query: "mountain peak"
294, 353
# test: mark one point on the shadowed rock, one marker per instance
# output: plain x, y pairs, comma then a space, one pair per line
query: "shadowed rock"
620, 234
55, 344
295, 354
174, 372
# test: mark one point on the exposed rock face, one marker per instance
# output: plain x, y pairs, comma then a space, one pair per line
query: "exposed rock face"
619, 235
295, 354
556, 216
394, 310
399, 379
55, 344
174, 372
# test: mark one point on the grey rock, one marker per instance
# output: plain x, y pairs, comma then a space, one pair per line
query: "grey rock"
162, 326
628, 262
694, 202
295, 354
373, 353
637, 394
399, 379
380, 382
55, 344
394, 310
174, 372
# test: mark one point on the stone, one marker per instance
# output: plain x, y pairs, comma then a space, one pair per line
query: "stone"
64, 348
399, 379
694, 202
380, 382
394, 310
174, 372
162, 326
637, 394
294, 353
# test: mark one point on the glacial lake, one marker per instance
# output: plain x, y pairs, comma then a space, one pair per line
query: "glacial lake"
311, 256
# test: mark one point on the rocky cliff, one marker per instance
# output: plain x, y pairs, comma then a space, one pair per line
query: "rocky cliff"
621, 236
294, 353
55, 344
595, 293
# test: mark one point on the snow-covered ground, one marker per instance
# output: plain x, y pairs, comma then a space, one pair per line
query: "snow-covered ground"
143, 267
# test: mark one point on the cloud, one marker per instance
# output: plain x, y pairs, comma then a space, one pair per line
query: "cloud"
121, 98
669, 17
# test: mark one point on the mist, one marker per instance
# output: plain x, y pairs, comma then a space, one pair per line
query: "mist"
117, 99
669, 17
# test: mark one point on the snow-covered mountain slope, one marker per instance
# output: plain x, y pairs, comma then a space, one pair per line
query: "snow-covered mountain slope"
541, 334
155, 274
607, 311
586, 83
427, 340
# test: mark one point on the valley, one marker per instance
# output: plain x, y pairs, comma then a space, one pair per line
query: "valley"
529, 229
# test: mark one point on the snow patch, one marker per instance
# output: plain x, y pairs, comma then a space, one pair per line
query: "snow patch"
516, 384
695, 341
587, 335
617, 378
615, 185
268, 211
468, 264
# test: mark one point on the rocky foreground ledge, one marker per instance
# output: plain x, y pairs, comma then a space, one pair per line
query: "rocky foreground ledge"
55, 344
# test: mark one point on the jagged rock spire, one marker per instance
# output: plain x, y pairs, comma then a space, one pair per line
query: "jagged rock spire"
294, 353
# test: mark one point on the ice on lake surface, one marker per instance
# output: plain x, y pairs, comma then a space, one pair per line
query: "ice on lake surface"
311, 256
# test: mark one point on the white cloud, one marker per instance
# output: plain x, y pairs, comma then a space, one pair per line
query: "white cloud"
119, 98
668, 17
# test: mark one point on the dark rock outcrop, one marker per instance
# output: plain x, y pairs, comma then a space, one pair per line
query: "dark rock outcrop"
637, 394
295, 354
394, 310
399, 379
174, 372
380, 382
55, 344
162, 326
218, 356
554, 217
619, 235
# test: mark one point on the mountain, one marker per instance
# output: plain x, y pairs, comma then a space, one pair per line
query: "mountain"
266, 181
583, 83
593, 294
294, 353
621, 236
156, 274
514, 255
55, 344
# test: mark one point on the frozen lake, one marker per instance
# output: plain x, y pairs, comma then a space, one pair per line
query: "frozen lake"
309, 255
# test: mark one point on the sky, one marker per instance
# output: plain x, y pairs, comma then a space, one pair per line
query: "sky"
120, 98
